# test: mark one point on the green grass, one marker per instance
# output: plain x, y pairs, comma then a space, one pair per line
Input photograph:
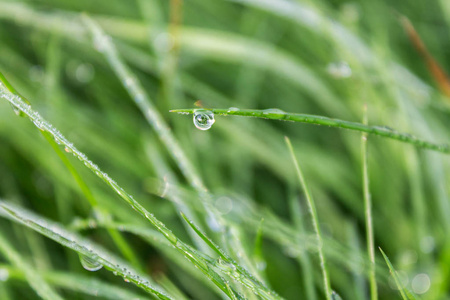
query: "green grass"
105, 173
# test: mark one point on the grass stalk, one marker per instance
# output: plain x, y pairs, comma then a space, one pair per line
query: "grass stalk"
18, 103
37, 283
315, 221
368, 211
275, 114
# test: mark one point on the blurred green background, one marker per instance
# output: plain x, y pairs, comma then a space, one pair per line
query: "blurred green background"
326, 57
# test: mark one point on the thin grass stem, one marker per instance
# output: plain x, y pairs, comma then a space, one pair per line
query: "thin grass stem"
368, 211
315, 221
276, 114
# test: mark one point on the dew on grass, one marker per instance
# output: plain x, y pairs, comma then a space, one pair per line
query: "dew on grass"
421, 283
203, 119
4, 274
403, 280
213, 224
261, 265
427, 244
335, 296
233, 109
339, 69
273, 111
90, 264
84, 72
224, 205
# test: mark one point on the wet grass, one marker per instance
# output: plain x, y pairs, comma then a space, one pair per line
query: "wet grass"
105, 172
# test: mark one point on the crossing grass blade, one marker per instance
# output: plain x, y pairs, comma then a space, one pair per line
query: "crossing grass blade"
275, 114
404, 292
315, 220
82, 246
31, 275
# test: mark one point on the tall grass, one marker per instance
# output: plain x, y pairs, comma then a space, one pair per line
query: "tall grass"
104, 174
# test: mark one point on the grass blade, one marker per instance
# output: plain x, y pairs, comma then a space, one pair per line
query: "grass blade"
230, 267
18, 103
368, 212
315, 220
84, 247
32, 276
78, 283
275, 114
406, 295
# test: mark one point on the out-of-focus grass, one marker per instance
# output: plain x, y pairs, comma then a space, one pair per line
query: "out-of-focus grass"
315, 57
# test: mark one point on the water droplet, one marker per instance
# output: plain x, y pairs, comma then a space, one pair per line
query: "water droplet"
90, 264
339, 69
101, 42
233, 109
335, 296
18, 111
203, 119
403, 280
273, 111
38, 124
421, 283
261, 265
4, 274
213, 224
427, 244
224, 205
226, 266
84, 73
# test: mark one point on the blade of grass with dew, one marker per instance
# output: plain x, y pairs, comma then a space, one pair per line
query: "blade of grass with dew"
368, 211
275, 114
140, 97
84, 247
130, 82
42, 124
218, 45
78, 283
315, 220
406, 295
100, 212
227, 265
115, 235
32, 276
157, 240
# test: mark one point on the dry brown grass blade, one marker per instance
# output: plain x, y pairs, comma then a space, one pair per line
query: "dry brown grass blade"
438, 73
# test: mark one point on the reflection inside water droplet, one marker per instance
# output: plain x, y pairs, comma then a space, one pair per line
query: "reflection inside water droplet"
90, 264
203, 119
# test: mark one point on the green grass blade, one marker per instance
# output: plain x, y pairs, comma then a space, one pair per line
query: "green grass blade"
368, 213
31, 275
143, 102
42, 124
115, 235
227, 265
406, 295
275, 114
315, 220
101, 213
84, 247
79, 283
